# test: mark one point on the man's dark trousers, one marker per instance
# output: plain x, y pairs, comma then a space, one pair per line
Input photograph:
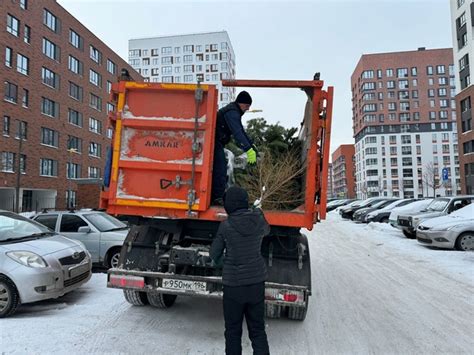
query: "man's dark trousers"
219, 173
248, 301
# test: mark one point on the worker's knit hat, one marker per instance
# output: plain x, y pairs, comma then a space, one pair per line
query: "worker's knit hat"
235, 198
244, 98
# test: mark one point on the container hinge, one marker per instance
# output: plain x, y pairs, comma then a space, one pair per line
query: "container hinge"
130, 242
301, 252
270, 254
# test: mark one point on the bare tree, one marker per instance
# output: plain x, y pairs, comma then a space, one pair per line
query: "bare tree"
381, 186
431, 177
364, 189
401, 188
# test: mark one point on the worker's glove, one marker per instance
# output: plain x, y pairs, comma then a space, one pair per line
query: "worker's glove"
251, 156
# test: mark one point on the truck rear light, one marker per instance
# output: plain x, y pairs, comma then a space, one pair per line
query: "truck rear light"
127, 281
291, 296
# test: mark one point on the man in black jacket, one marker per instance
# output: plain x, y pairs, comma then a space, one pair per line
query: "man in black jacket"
229, 123
244, 272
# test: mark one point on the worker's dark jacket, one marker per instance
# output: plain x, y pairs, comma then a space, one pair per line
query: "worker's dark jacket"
229, 123
241, 236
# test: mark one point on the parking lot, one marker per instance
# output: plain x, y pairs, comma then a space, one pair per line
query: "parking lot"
374, 291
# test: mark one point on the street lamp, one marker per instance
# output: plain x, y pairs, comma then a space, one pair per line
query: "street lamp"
69, 194
18, 175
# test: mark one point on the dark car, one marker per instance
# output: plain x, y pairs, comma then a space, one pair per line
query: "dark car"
361, 214
348, 212
382, 215
337, 203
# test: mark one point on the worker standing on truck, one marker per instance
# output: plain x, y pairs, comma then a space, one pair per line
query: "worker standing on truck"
229, 124
244, 272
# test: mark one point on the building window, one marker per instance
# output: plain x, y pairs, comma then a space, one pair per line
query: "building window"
166, 50
49, 137
74, 144
134, 53
167, 60
11, 92
95, 102
95, 126
75, 39
167, 70
27, 34
50, 21
440, 69
155, 52
188, 78
95, 54
48, 167
93, 172
75, 91
367, 74
390, 84
49, 107
75, 117
22, 131
442, 92
6, 125
95, 78
110, 107
13, 25
389, 73
73, 171
8, 57
177, 50
50, 49
95, 148
186, 69
49, 78
111, 67
22, 64
24, 4
75, 65
26, 98
429, 70
188, 58
109, 87
402, 72
443, 103
8, 162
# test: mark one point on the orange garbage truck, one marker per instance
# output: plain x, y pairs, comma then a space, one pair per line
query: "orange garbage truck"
160, 180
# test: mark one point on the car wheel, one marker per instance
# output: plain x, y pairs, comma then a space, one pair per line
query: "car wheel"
384, 220
9, 297
113, 258
161, 300
409, 235
465, 242
136, 298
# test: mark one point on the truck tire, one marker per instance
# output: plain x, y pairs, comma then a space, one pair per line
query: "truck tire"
297, 313
9, 297
272, 311
161, 300
135, 298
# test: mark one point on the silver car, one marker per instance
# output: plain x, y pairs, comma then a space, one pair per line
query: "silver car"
453, 231
102, 234
36, 263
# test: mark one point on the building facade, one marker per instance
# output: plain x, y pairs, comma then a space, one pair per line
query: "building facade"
205, 57
343, 171
330, 190
57, 78
404, 124
462, 21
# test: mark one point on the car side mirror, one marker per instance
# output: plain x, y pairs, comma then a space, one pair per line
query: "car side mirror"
84, 229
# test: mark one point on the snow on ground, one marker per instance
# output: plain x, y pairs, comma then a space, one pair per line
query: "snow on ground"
374, 292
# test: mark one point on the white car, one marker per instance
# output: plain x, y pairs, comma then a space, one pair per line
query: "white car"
411, 208
455, 230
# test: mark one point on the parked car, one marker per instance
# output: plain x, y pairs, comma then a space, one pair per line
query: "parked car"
440, 206
337, 203
382, 215
348, 212
37, 263
353, 203
414, 207
361, 214
102, 234
452, 231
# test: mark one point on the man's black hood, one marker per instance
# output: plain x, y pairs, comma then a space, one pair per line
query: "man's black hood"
235, 198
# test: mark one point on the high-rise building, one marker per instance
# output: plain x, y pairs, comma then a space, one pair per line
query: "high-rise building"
206, 57
330, 189
57, 77
343, 171
462, 21
404, 124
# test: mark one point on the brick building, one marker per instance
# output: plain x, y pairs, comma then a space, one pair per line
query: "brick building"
343, 171
404, 124
57, 78
462, 21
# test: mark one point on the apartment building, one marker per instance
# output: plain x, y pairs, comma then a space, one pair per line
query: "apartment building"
404, 124
330, 189
462, 21
343, 171
205, 57
57, 79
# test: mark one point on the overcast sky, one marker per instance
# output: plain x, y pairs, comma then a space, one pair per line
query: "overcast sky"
281, 40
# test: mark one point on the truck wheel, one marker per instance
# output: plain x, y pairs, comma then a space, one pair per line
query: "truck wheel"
409, 235
113, 258
297, 313
161, 300
9, 297
136, 298
272, 310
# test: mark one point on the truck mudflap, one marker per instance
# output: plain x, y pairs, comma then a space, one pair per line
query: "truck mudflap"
277, 295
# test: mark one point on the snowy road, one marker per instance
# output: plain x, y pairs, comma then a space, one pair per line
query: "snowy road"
374, 292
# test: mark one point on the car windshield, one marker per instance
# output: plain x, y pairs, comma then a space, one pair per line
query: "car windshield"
438, 205
14, 227
104, 222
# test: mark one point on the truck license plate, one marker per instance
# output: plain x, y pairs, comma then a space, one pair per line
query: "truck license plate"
184, 285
